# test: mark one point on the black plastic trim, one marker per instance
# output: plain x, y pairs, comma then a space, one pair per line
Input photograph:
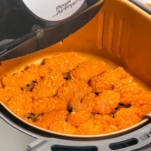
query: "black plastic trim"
29, 43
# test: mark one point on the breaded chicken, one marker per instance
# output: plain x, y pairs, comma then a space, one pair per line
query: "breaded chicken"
128, 92
22, 78
88, 69
62, 127
108, 80
7, 92
73, 90
48, 86
51, 117
77, 118
64, 62
97, 125
14, 80
85, 104
106, 102
44, 105
68, 94
108, 121
90, 127
126, 117
21, 104
143, 102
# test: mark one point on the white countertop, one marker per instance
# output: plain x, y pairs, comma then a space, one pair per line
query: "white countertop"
12, 139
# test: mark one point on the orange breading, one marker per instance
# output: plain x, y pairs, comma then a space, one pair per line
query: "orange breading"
62, 127
44, 105
14, 80
106, 102
64, 62
142, 101
86, 103
97, 125
88, 69
22, 78
108, 80
128, 92
73, 90
51, 117
7, 92
31, 74
21, 104
90, 127
77, 118
108, 121
71, 95
126, 117
47, 87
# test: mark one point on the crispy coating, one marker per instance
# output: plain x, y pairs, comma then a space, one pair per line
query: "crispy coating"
51, 117
97, 125
77, 118
22, 78
111, 125
64, 62
70, 95
90, 127
14, 80
20, 104
126, 117
73, 90
8, 92
128, 92
142, 101
62, 127
85, 104
88, 69
106, 102
44, 105
109, 79
48, 86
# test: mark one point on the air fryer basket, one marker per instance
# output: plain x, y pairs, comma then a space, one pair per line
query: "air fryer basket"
120, 32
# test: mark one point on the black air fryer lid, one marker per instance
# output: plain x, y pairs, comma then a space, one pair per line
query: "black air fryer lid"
21, 20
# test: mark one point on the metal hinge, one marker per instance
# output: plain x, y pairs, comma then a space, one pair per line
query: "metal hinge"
39, 36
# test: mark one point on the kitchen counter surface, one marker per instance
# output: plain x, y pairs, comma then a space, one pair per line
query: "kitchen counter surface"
12, 139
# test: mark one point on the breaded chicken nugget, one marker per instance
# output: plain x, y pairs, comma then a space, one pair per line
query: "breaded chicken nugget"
126, 117
14, 80
128, 92
31, 73
108, 121
90, 127
85, 104
64, 62
22, 78
44, 105
62, 127
96, 126
142, 101
77, 118
48, 86
7, 92
73, 90
88, 69
108, 80
21, 104
106, 102
51, 117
